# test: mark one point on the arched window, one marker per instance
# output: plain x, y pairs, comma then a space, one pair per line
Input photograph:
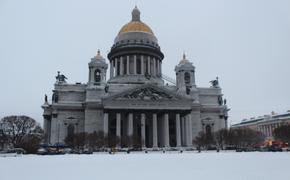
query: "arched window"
70, 130
118, 68
97, 76
125, 65
146, 59
187, 78
131, 64
208, 131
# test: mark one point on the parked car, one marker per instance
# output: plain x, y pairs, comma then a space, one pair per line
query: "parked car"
245, 149
275, 149
16, 150
42, 151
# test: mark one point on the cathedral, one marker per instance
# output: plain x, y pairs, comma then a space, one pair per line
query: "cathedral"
137, 100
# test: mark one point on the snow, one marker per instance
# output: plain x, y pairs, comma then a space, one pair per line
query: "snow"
175, 166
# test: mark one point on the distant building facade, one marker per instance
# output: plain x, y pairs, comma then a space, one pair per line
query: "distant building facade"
135, 101
265, 124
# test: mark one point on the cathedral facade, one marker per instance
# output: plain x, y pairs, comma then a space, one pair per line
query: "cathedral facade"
135, 101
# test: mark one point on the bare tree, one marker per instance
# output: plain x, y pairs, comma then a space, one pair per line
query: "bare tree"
244, 137
203, 140
283, 133
96, 140
16, 127
31, 143
237, 138
221, 137
4, 140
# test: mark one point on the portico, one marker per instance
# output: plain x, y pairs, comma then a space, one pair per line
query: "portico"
148, 129
148, 117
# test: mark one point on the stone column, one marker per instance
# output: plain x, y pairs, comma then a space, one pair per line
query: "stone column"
106, 122
154, 67
148, 65
186, 131
130, 125
44, 129
177, 126
128, 65
166, 130
142, 65
264, 130
157, 70
121, 66
183, 131
116, 66
143, 125
112, 69
118, 125
155, 138
160, 68
135, 65
130, 129
189, 134
49, 130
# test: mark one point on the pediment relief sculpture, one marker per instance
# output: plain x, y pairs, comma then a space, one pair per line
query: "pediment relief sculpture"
147, 94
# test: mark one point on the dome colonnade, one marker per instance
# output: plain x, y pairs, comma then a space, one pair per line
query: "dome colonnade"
135, 52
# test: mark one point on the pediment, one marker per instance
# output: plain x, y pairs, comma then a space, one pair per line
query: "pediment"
147, 94
147, 97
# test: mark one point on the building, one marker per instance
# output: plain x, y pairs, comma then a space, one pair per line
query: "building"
265, 124
135, 101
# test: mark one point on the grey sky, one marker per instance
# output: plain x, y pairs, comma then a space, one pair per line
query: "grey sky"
244, 42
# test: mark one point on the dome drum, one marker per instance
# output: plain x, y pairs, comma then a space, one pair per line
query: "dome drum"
134, 49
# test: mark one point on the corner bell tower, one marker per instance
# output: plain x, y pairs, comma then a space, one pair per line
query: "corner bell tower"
185, 76
97, 70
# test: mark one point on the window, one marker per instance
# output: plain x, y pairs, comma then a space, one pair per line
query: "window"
151, 66
70, 130
125, 65
138, 64
118, 67
131, 64
97, 76
187, 78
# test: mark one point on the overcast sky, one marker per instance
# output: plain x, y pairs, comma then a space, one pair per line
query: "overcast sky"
244, 42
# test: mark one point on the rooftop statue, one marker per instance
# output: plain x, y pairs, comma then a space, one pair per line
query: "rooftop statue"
215, 83
60, 78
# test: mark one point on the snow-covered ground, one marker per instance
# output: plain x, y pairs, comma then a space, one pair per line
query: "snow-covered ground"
139, 166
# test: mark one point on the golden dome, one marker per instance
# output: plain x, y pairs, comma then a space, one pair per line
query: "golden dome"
135, 26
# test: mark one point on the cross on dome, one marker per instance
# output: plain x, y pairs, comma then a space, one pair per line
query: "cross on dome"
135, 14
183, 60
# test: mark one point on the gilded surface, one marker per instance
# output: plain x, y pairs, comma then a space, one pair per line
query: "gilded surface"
136, 26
